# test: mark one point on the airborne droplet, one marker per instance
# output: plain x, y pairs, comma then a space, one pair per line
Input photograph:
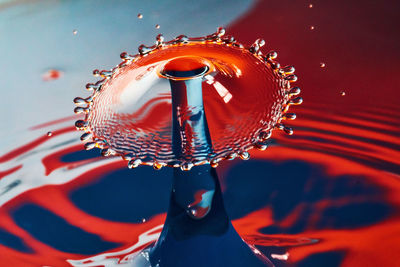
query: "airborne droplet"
322, 65
139, 16
74, 32
52, 74
157, 26
49, 133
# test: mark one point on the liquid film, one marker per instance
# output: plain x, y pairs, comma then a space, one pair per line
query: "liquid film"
245, 95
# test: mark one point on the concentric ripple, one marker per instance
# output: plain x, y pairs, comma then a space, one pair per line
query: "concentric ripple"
245, 95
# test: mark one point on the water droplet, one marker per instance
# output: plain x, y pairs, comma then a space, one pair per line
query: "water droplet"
271, 55
125, 56
90, 145
244, 155
143, 50
312, 27
106, 74
86, 136
187, 166
289, 116
322, 65
134, 163
231, 156
214, 163
157, 165
106, 152
261, 146
81, 124
220, 31
49, 133
52, 74
96, 73
143, 220
310, 5
79, 101
159, 40
291, 78
294, 91
296, 101
139, 16
181, 39
157, 26
128, 156
288, 69
274, 65
342, 93
79, 110
74, 32
264, 135
285, 128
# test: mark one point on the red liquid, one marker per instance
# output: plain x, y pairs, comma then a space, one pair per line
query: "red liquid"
351, 138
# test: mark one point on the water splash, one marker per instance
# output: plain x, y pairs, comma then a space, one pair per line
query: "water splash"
130, 109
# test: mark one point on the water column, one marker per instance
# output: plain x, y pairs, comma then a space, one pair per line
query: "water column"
197, 231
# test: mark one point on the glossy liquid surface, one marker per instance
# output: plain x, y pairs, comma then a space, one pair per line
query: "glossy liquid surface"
326, 196
242, 97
